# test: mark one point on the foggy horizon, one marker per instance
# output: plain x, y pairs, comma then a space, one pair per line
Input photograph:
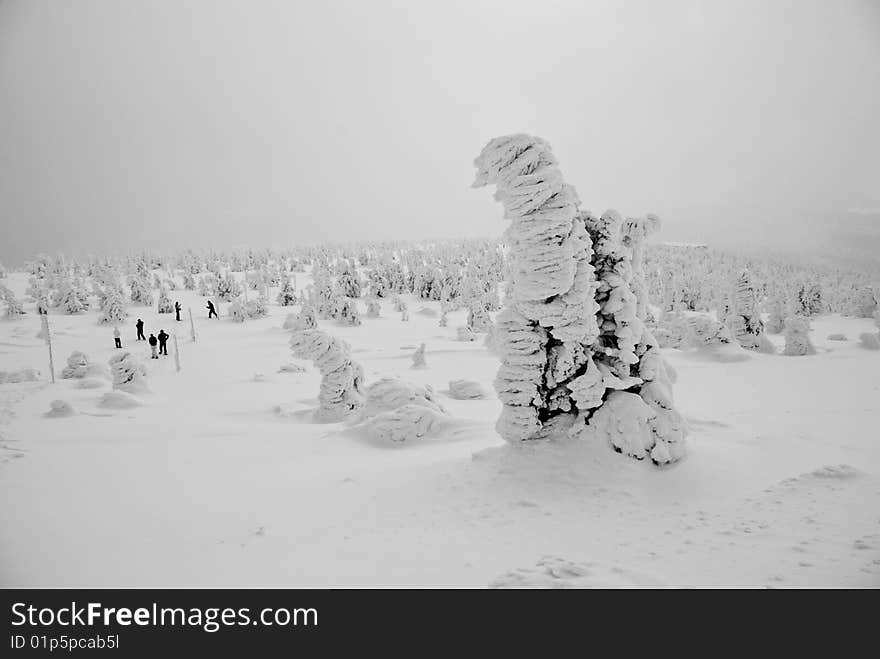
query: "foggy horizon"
284, 124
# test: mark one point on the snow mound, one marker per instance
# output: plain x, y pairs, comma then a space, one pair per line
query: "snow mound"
118, 400
290, 367
835, 471
869, 341
466, 390
556, 572
23, 375
405, 424
90, 383
427, 311
724, 353
389, 394
837, 337
59, 409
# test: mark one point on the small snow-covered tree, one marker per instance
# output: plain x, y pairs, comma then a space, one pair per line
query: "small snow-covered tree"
419, 357
348, 313
373, 308
164, 305
745, 320
14, 306
287, 294
776, 317
865, 303
113, 307
189, 281
349, 283
141, 293
797, 336
236, 311
341, 377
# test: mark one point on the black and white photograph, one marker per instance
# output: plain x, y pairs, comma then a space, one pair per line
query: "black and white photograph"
483, 294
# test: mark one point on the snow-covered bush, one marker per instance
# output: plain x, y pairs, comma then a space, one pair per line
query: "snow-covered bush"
341, 377
865, 303
837, 337
405, 424
305, 320
869, 341
373, 308
141, 292
236, 311
128, 373
256, 308
797, 336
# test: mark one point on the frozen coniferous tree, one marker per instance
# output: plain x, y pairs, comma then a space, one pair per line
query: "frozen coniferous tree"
348, 313
164, 305
287, 294
189, 281
341, 377
636, 231
307, 318
776, 317
348, 281
237, 311
140, 291
797, 336
113, 307
568, 340
478, 319
864, 304
14, 306
745, 320
373, 308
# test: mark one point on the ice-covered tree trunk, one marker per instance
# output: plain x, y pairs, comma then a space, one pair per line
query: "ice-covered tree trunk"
341, 377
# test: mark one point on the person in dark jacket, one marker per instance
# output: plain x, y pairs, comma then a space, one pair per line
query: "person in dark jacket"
177, 310
152, 341
163, 342
211, 310
117, 338
139, 325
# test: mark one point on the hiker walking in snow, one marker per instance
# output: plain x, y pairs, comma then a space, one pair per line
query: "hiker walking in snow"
177, 310
152, 341
211, 309
163, 342
117, 339
139, 325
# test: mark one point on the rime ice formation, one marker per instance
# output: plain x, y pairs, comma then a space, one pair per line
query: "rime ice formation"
128, 373
390, 393
797, 336
466, 390
373, 308
572, 334
341, 378
418, 357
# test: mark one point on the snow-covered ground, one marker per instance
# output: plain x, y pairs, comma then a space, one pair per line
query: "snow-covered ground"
210, 482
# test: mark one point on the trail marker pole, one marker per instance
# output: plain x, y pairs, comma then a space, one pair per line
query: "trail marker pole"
192, 326
45, 321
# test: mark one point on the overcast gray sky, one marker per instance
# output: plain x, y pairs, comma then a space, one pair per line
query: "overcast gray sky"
151, 123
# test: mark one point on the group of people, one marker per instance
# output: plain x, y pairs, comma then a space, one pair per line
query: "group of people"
158, 344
